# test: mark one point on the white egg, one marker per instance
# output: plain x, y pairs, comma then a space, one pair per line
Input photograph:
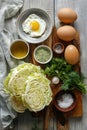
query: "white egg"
34, 25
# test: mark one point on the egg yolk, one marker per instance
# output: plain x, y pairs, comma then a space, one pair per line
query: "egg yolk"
34, 25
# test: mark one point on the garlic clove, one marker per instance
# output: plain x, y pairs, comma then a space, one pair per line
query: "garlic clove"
55, 80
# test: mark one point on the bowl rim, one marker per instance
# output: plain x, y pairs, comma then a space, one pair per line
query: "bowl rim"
62, 50
19, 40
70, 108
27, 39
43, 46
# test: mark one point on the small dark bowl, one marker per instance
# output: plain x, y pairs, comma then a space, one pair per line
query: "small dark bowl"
59, 97
58, 48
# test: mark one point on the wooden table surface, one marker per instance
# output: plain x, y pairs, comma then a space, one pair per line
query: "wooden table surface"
25, 121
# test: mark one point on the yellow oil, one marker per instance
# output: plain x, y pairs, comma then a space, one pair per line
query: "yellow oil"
19, 49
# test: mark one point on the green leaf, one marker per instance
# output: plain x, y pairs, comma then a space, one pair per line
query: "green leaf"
67, 75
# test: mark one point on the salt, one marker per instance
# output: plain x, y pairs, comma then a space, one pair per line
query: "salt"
58, 48
65, 101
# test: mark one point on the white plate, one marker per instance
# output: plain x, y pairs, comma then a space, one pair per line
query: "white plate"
40, 13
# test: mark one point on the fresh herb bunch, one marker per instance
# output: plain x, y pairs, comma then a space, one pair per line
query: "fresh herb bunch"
69, 77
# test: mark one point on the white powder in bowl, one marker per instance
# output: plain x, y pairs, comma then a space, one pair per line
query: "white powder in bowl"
65, 101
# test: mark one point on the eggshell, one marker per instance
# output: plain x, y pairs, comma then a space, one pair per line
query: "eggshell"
66, 33
67, 15
71, 54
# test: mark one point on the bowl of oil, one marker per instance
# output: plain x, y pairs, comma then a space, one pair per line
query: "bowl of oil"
19, 49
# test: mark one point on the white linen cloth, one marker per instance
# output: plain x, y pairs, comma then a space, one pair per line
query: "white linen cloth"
8, 15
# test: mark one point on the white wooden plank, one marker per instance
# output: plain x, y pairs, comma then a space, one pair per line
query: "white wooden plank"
27, 121
47, 5
81, 25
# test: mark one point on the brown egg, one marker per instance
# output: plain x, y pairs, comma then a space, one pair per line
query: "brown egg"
66, 33
67, 15
71, 54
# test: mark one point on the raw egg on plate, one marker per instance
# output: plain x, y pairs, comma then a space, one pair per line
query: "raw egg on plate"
67, 15
66, 33
71, 54
34, 25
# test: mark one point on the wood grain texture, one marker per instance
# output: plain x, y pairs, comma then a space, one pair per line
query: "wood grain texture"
78, 111
47, 5
80, 7
80, 24
25, 120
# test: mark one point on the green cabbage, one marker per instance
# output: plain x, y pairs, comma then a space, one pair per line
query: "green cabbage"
28, 88
17, 104
38, 94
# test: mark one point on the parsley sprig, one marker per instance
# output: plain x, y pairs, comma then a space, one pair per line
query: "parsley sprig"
65, 72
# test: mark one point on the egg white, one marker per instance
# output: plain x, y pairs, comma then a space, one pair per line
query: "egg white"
27, 28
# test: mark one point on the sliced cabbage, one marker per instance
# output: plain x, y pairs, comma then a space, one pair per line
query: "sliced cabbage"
17, 104
28, 87
38, 93
15, 81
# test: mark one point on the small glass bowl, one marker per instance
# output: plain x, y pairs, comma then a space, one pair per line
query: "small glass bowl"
58, 48
19, 49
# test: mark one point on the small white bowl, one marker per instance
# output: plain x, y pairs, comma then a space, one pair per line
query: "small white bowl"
19, 49
43, 54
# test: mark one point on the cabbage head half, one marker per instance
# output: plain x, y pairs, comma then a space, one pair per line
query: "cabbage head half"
28, 88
